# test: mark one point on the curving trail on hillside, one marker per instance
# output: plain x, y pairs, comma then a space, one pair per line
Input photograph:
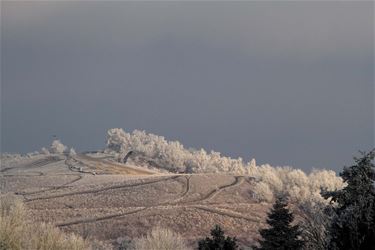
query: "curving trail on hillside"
224, 212
98, 164
118, 196
183, 194
29, 173
66, 185
238, 180
177, 204
35, 164
187, 189
107, 217
219, 211
92, 191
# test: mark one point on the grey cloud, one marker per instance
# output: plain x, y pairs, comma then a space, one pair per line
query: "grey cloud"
287, 83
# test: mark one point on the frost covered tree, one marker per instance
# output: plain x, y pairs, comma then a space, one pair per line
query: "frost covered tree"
252, 163
155, 151
72, 152
44, 151
170, 155
280, 235
57, 147
316, 218
293, 183
218, 241
353, 226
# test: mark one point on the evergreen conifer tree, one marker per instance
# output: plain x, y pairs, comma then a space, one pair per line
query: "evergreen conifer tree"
353, 226
281, 235
218, 241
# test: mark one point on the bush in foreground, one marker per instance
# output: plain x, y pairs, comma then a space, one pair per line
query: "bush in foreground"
17, 232
160, 238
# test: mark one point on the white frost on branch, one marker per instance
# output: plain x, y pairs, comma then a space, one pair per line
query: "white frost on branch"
72, 152
294, 183
44, 151
57, 147
172, 156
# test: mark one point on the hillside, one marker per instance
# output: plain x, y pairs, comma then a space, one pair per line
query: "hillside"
141, 180
96, 197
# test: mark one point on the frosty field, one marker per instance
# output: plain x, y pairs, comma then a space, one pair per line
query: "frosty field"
100, 198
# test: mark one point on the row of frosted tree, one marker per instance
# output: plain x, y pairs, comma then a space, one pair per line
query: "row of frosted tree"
173, 157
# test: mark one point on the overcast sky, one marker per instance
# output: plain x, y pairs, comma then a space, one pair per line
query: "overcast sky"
288, 83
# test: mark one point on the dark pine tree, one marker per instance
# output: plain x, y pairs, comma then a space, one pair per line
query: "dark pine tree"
218, 241
353, 226
281, 235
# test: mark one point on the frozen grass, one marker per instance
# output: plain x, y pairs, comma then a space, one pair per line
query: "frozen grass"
160, 238
12, 224
18, 232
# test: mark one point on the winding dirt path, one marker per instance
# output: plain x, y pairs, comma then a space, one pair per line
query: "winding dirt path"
107, 217
177, 204
35, 164
182, 196
92, 191
238, 180
100, 165
224, 212
66, 185
219, 211
29, 173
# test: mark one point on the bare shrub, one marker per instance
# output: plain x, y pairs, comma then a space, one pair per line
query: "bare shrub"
316, 219
57, 147
46, 236
17, 232
125, 243
12, 223
160, 238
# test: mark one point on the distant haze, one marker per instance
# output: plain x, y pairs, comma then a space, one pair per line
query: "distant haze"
288, 83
